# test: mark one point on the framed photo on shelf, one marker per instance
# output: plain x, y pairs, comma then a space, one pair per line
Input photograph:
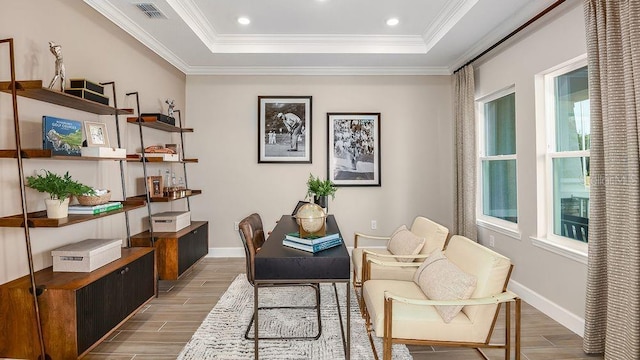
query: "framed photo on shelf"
156, 186
353, 152
96, 133
284, 129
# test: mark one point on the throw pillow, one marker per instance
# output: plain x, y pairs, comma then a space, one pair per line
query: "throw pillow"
404, 242
440, 279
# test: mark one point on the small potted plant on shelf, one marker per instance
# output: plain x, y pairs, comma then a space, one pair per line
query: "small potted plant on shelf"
320, 190
60, 189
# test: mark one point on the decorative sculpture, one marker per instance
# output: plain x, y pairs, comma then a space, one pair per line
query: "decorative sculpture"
171, 106
56, 50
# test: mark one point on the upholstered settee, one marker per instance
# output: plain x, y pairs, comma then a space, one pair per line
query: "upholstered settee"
453, 298
402, 240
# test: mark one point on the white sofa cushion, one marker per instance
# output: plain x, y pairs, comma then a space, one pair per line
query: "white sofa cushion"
440, 279
404, 242
415, 321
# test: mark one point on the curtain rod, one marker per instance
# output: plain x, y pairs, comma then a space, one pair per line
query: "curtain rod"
531, 21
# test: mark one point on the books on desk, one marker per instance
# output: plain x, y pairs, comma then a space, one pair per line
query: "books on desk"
312, 245
311, 240
94, 209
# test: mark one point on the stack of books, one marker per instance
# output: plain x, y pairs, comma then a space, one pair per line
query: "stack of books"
94, 209
314, 244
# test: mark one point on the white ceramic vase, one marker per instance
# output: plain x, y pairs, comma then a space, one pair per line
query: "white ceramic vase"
57, 209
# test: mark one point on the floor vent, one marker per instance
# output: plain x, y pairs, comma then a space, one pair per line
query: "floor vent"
151, 10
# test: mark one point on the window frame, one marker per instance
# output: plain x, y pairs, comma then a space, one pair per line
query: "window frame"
503, 226
545, 92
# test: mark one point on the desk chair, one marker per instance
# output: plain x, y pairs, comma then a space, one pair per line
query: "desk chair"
252, 236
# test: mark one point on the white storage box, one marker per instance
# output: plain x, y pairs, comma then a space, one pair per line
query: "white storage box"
171, 221
86, 255
103, 152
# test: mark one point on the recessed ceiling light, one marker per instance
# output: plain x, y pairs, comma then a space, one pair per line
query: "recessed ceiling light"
244, 20
393, 22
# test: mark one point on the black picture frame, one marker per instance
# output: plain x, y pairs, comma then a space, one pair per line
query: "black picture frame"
353, 151
284, 129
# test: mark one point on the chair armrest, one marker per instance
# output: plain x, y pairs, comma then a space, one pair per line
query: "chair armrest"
366, 267
503, 297
393, 264
391, 256
373, 237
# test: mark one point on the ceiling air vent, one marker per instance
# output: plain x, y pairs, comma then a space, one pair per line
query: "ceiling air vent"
151, 10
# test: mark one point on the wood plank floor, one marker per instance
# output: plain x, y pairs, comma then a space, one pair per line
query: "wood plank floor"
166, 324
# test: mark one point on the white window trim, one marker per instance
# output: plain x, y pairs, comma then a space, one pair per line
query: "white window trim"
546, 239
493, 223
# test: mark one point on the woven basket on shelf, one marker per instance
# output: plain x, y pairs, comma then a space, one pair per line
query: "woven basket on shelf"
94, 200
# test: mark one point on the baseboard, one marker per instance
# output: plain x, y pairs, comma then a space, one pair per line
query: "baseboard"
566, 318
230, 252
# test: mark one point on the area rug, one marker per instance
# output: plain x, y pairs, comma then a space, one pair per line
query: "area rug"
221, 334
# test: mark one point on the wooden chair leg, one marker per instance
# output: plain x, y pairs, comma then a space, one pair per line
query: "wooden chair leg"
507, 335
386, 341
518, 324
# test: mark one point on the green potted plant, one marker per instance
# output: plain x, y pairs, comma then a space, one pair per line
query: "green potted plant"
320, 190
60, 189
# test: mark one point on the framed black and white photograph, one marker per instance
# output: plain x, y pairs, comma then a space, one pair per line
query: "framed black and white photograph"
96, 134
284, 129
353, 149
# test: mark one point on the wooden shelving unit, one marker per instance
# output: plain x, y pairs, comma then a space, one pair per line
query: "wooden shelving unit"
39, 219
153, 123
48, 314
164, 199
33, 89
176, 251
47, 154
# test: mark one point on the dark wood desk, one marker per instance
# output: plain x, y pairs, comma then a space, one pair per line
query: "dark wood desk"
276, 263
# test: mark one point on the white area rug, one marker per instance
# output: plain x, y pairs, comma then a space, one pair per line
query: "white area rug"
221, 334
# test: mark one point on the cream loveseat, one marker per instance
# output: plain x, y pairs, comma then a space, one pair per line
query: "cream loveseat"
453, 299
434, 235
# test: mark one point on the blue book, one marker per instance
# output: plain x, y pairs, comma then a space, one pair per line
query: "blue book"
311, 240
313, 248
62, 136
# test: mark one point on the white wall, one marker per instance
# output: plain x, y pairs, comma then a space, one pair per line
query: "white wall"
416, 149
552, 282
95, 49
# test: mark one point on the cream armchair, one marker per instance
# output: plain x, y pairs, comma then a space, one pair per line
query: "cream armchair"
434, 234
400, 311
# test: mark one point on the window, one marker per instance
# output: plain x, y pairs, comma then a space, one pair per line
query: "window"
498, 197
568, 138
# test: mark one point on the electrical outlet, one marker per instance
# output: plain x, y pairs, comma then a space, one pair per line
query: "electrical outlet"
236, 225
492, 241
374, 224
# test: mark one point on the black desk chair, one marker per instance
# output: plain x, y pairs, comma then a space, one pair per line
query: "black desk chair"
252, 236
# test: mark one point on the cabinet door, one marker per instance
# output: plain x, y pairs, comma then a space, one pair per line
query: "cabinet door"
104, 303
192, 247
99, 308
139, 283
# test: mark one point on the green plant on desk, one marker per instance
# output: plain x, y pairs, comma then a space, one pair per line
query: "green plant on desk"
319, 188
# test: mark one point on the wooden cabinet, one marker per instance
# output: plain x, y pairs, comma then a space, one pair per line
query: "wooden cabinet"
77, 309
179, 251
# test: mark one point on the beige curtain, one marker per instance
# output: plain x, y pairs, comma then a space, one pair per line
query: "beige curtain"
464, 112
612, 315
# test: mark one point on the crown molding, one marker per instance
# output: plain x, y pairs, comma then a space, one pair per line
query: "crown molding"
191, 14
498, 33
316, 70
124, 22
446, 20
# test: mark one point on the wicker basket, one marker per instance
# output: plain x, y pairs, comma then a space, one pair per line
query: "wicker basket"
89, 200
